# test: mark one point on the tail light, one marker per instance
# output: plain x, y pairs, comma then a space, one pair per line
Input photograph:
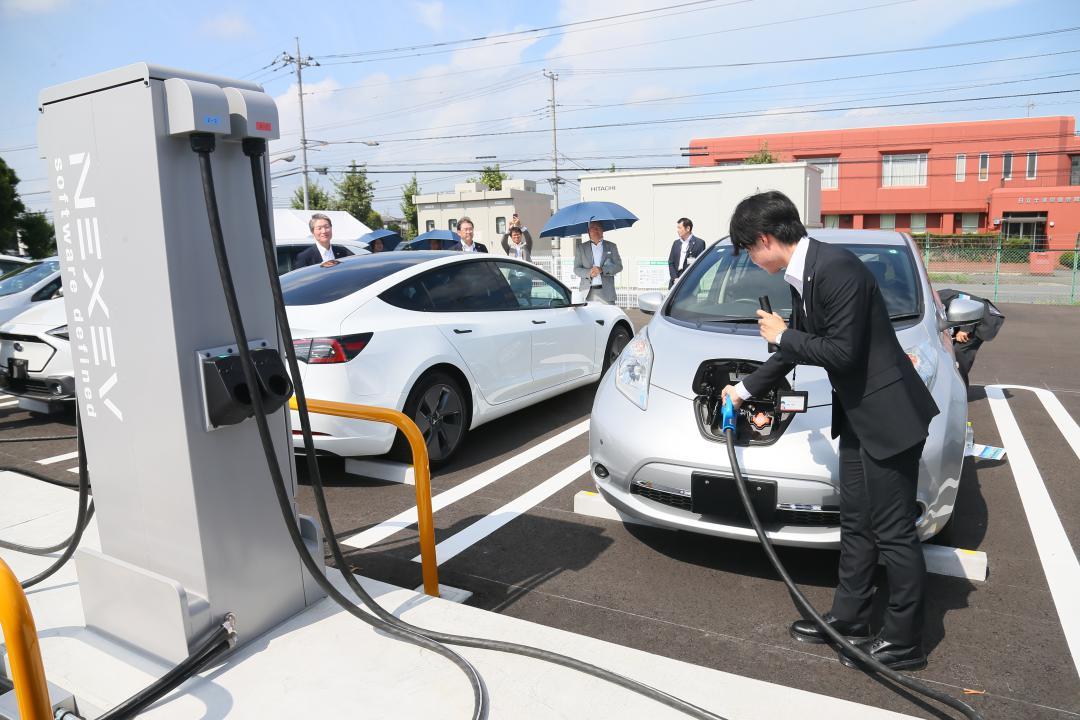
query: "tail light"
325, 350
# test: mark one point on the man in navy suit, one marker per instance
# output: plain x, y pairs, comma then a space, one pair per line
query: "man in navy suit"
881, 411
323, 231
684, 250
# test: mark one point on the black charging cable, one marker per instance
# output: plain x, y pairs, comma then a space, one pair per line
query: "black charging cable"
203, 144
801, 603
254, 148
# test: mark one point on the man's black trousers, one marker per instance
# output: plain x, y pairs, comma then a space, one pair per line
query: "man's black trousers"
877, 518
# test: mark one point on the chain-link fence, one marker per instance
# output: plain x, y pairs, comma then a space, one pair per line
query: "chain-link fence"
1003, 269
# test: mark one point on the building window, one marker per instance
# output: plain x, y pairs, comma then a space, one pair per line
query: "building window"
961, 167
1032, 164
726, 163
452, 225
969, 223
1074, 170
1006, 166
830, 170
429, 226
500, 225
918, 222
984, 166
903, 170
831, 221
887, 221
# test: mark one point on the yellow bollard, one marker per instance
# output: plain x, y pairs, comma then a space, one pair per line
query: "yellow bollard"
20, 638
421, 471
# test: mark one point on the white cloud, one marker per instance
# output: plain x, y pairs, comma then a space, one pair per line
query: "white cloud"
430, 14
227, 26
31, 7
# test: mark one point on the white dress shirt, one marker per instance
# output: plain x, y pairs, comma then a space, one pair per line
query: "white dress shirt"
598, 261
468, 247
683, 249
326, 253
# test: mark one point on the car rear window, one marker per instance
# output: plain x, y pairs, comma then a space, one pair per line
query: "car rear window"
316, 284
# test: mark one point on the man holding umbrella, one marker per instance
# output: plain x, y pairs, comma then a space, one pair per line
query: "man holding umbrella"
597, 262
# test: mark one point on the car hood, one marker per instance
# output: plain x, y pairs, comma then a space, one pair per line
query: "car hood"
46, 313
678, 351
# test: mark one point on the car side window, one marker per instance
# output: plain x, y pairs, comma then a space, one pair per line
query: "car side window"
473, 286
408, 295
48, 292
531, 288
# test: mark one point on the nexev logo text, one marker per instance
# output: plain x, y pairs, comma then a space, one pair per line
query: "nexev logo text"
93, 349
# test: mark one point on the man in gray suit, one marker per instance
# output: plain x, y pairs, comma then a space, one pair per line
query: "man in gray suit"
597, 262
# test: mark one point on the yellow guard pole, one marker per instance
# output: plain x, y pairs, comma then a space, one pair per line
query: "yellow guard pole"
20, 637
429, 567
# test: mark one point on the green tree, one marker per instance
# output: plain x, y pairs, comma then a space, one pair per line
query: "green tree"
11, 207
408, 207
318, 199
761, 157
354, 193
491, 176
36, 232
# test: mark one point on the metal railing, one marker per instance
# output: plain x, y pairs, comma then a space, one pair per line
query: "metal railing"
20, 639
421, 474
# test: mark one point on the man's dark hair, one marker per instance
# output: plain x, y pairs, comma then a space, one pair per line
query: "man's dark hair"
771, 213
515, 229
686, 223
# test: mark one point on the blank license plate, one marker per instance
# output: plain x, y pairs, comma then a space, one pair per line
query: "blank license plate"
17, 368
718, 495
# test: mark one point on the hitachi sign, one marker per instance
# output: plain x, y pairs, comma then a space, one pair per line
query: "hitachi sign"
601, 188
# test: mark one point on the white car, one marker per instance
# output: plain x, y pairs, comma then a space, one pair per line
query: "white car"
453, 340
30, 283
289, 249
35, 358
11, 262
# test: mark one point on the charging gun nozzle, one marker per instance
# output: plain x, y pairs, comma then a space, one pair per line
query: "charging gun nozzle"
728, 415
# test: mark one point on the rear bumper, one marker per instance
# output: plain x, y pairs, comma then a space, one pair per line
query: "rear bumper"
344, 436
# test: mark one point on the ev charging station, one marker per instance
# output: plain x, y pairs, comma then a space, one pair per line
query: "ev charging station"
190, 529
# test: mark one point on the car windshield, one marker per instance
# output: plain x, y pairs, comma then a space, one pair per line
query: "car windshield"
325, 283
724, 288
27, 276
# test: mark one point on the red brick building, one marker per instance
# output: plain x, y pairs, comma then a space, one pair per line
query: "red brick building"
1020, 177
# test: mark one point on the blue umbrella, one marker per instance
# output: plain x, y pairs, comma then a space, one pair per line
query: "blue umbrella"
450, 241
574, 219
390, 239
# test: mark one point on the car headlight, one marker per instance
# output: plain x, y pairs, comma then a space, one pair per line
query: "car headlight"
633, 370
924, 359
60, 332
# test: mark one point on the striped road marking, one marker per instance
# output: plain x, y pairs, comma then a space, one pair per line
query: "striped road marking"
59, 458
1055, 552
490, 523
404, 519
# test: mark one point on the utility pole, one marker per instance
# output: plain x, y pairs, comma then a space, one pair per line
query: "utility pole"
301, 62
554, 139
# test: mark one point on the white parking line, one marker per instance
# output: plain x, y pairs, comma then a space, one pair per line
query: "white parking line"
490, 523
1055, 552
8, 403
404, 519
59, 458
73, 470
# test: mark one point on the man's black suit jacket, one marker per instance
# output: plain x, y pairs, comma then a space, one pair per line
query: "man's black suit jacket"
846, 330
697, 246
312, 256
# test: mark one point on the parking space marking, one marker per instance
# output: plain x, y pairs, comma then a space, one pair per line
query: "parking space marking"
8, 403
59, 458
480, 529
407, 518
73, 470
1056, 554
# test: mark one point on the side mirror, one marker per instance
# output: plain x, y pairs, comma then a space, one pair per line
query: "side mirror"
578, 297
650, 302
964, 311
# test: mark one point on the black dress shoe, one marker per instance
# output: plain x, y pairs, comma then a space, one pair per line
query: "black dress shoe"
807, 631
891, 655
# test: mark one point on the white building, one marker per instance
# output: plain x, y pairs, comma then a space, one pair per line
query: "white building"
707, 196
490, 211
294, 225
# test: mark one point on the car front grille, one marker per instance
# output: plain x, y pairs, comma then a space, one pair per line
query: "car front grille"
784, 515
665, 497
817, 518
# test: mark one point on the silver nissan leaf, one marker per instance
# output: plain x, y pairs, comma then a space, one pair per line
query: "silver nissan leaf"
658, 452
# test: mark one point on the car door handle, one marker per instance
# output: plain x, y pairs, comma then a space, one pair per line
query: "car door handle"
539, 322
600, 323
459, 331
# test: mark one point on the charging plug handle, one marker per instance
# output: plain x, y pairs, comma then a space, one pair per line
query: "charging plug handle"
728, 415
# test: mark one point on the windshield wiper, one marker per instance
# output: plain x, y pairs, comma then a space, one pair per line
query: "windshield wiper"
728, 319
905, 316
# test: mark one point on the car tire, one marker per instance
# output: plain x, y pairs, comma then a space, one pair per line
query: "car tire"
436, 401
618, 339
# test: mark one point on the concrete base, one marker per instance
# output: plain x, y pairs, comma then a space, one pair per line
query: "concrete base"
452, 594
381, 470
941, 560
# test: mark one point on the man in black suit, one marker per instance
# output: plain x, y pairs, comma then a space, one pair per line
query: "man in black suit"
881, 411
684, 250
465, 229
323, 231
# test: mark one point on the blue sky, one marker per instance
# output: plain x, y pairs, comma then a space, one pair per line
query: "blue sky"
613, 71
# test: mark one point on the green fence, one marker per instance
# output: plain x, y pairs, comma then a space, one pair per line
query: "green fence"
1003, 269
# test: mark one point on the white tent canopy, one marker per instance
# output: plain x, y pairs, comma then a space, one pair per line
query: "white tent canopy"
292, 225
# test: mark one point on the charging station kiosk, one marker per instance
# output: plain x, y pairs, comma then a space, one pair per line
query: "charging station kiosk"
189, 526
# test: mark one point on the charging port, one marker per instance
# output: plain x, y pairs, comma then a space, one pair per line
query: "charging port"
759, 420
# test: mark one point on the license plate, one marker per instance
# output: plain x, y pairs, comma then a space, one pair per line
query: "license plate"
718, 495
17, 368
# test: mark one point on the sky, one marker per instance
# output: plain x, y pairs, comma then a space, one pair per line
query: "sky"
439, 87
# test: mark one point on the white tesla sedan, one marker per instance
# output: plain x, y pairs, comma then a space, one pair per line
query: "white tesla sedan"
35, 358
657, 448
453, 340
